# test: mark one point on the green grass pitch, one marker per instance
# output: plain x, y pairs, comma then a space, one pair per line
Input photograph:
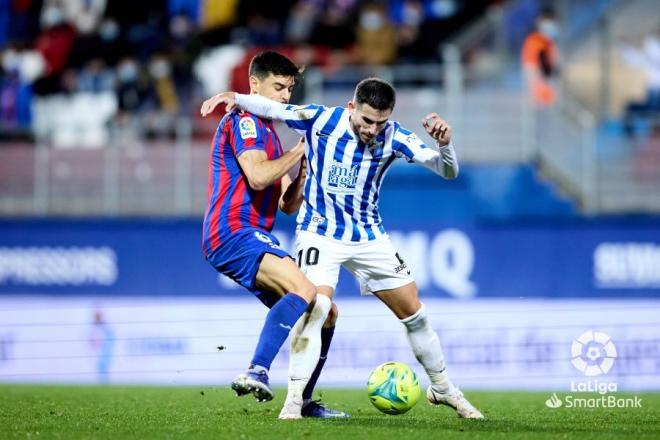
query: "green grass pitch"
69, 412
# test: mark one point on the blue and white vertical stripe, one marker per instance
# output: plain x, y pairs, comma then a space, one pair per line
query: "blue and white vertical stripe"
344, 175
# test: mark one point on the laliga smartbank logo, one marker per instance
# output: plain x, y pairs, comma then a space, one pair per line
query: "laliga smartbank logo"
593, 354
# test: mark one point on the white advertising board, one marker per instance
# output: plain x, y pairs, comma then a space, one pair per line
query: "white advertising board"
488, 344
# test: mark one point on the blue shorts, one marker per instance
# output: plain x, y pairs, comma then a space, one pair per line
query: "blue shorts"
240, 255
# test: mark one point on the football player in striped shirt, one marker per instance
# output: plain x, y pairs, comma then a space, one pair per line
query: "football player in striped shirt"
349, 150
248, 180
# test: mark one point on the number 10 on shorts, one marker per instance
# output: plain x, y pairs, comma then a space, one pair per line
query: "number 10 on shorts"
311, 256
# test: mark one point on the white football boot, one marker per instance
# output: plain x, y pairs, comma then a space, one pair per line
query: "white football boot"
455, 399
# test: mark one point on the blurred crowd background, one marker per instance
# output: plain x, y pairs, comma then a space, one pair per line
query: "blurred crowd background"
155, 59
569, 88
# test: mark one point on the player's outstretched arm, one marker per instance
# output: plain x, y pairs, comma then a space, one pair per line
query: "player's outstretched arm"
446, 163
255, 104
292, 190
262, 172
299, 118
228, 98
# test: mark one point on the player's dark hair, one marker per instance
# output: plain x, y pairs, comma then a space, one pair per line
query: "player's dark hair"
269, 62
376, 92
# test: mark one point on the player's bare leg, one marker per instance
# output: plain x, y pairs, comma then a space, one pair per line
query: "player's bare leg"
280, 276
404, 303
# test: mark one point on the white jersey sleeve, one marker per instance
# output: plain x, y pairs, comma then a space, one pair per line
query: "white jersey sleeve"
298, 117
440, 160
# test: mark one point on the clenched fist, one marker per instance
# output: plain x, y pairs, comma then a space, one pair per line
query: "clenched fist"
437, 128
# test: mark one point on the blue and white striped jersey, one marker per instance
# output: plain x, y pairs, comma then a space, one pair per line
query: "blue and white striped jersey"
344, 175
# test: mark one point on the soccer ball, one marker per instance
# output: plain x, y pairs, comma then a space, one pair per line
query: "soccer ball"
393, 388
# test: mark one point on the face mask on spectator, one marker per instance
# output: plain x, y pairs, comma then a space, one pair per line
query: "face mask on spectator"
180, 27
549, 28
127, 71
159, 69
52, 16
371, 20
109, 30
10, 60
413, 14
86, 24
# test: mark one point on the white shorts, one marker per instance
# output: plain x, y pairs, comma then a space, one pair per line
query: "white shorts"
376, 264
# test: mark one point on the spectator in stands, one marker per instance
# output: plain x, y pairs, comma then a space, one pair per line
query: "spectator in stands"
143, 24
96, 77
540, 59
160, 120
216, 20
84, 15
335, 27
106, 43
54, 43
408, 16
133, 89
376, 36
13, 113
18, 70
183, 47
160, 71
648, 59
300, 23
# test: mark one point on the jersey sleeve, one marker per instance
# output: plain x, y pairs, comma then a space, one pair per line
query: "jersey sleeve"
298, 117
440, 160
301, 118
247, 134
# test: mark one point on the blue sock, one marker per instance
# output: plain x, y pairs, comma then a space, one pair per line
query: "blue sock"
326, 338
279, 322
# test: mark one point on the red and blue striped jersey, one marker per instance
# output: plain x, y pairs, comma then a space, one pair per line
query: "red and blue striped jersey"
231, 204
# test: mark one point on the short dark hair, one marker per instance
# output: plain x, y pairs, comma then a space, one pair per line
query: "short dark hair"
376, 92
269, 62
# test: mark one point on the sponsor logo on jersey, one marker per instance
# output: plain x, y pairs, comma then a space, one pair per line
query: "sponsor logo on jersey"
266, 239
248, 128
342, 178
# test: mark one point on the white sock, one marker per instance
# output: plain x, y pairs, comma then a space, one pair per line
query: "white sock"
306, 345
426, 346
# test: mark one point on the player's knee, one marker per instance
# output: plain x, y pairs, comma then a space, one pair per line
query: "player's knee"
410, 306
332, 316
305, 289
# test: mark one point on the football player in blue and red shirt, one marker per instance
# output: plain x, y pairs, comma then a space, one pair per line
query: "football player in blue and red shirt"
248, 180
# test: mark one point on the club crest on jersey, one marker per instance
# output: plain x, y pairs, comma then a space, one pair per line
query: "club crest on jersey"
248, 128
342, 178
